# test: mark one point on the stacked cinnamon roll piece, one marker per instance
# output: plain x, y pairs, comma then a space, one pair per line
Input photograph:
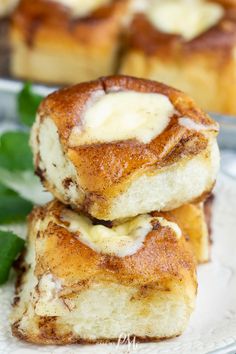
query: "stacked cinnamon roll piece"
130, 163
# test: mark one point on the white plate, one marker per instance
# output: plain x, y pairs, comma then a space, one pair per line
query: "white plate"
212, 328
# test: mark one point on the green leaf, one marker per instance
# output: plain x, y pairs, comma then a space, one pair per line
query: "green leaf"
26, 184
16, 168
27, 105
15, 153
10, 247
12, 207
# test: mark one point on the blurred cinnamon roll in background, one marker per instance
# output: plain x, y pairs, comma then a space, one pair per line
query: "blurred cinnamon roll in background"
59, 41
189, 45
195, 221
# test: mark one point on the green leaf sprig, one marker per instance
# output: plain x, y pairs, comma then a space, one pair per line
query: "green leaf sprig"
10, 247
13, 208
27, 104
17, 181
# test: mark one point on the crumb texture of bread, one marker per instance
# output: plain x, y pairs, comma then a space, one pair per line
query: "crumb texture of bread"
97, 296
123, 178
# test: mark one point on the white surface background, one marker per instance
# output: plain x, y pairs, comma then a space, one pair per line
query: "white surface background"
213, 324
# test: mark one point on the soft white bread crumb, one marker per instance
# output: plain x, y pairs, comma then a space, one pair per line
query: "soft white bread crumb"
170, 188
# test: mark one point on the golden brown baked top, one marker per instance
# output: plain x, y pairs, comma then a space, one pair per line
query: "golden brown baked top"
104, 167
44, 17
144, 36
163, 257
